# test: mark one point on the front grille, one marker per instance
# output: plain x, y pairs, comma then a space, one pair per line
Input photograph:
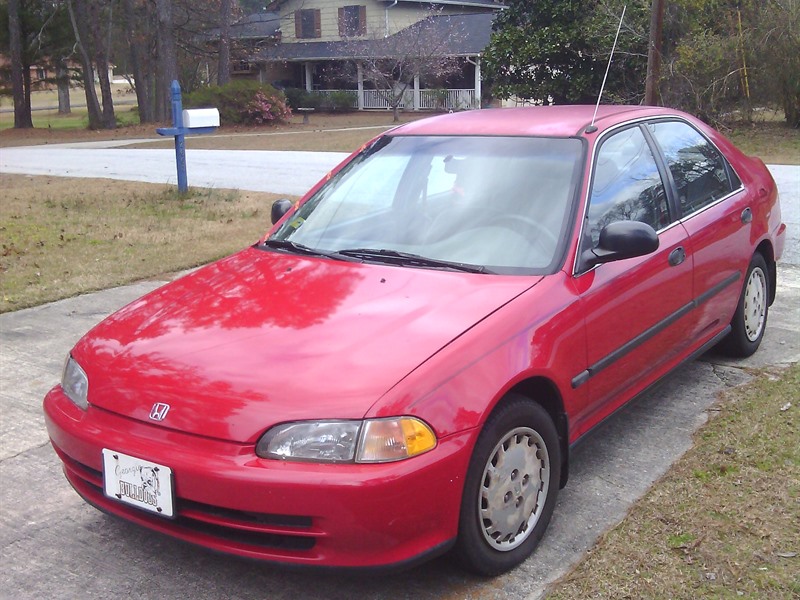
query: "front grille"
261, 530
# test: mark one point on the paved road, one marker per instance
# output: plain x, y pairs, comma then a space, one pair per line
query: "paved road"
55, 546
261, 171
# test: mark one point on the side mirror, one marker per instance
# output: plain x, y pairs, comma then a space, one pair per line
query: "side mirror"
620, 240
280, 208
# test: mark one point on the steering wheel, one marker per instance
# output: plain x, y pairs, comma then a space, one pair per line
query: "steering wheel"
526, 226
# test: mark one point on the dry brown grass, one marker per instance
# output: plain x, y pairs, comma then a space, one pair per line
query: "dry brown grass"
773, 142
724, 522
62, 236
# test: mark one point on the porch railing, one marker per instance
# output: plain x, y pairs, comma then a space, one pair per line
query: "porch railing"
429, 99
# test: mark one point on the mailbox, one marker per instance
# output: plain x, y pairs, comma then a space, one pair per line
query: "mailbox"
200, 117
195, 121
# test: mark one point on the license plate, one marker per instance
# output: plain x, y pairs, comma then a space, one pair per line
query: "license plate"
140, 483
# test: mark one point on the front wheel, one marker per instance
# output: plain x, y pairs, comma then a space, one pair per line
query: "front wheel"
750, 319
511, 488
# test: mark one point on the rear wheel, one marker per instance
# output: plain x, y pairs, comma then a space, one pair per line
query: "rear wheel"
510, 489
750, 319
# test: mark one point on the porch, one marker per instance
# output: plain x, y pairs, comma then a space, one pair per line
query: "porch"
413, 99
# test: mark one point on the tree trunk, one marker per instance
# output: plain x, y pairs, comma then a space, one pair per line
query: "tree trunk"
791, 108
78, 14
651, 95
102, 63
224, 68
100, 56
62, 81
22, 108
141, 82
167, 59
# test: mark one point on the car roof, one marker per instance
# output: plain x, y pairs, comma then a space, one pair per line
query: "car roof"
556, 121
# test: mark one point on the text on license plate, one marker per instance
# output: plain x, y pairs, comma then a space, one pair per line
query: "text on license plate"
141, 483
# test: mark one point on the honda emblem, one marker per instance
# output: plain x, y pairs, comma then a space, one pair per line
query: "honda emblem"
159, 411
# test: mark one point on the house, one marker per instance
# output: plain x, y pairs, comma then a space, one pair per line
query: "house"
251, 34
322, 46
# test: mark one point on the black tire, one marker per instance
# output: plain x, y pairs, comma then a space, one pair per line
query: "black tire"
524, 490
750, 319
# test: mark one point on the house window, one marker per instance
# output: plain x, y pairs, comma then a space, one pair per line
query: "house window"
241, 66
352, 21
307, 23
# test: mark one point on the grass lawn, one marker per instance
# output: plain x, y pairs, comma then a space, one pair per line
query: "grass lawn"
725, 520
62, 236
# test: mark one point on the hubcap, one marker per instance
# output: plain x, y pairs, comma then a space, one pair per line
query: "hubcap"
755, 304
513, 488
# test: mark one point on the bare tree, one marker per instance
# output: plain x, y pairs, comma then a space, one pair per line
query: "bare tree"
419, 52
167, 58
78, 15
62, 83
100, 14
21, 92
224, 68
137, 16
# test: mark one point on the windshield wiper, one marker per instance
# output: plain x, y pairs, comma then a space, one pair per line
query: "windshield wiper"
396, 257
296, 248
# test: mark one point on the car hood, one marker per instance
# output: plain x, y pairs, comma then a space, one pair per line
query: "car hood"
263, 337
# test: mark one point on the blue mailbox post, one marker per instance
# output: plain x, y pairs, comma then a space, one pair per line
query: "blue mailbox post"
200, 121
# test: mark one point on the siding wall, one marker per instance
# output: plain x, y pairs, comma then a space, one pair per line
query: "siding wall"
400, 17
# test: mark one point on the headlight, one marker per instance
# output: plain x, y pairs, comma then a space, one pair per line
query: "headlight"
75, 383
324, 441
370, 441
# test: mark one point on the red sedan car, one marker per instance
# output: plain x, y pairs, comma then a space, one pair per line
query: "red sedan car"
402, 364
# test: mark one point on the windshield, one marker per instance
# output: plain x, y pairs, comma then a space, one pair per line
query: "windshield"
501, 204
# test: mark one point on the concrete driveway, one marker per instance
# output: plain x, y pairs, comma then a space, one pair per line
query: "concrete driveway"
56, 546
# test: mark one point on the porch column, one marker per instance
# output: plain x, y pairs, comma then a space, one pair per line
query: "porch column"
478, 81
360, 72
416, 92
309, 67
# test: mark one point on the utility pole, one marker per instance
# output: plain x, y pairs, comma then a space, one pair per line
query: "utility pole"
651, 96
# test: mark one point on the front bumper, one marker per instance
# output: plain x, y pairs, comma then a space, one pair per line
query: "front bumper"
229, 500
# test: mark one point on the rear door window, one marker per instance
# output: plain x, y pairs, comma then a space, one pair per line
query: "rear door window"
701, 174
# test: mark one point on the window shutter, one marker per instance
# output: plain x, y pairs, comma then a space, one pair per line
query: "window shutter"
298, 24
362, 20
342, 24
317, 24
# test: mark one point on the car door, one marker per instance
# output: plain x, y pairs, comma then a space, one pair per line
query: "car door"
716, 213
637, 311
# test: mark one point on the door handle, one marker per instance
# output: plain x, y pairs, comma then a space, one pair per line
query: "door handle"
747, 215
677, 256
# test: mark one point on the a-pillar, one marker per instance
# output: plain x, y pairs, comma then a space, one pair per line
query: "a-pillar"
309, 67
416, 92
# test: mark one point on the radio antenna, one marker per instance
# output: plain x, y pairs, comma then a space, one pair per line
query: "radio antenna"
592, 128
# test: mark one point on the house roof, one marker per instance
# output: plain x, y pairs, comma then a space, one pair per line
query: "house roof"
465, 35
